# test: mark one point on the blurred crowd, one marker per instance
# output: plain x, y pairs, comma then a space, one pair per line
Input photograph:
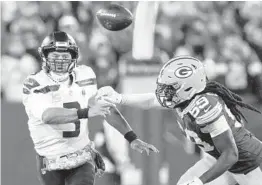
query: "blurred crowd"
226, 36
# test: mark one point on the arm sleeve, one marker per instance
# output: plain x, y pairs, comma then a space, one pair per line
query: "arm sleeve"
146, 100
217, 127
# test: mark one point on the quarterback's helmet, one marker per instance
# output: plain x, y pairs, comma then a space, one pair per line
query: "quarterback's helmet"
179, 80
61, 42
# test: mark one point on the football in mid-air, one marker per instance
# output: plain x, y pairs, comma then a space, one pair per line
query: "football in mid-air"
114, 17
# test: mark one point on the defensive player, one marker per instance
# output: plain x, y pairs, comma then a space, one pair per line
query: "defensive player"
208, 115
58, 101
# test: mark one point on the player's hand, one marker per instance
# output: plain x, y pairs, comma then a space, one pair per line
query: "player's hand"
99, 107
141, 146
195, 181
99, 164
109, 94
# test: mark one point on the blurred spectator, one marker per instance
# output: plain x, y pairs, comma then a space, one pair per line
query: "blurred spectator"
16, 66
29, 25
28, 20
9, 11
255, 77
85, 16
104, 60
69, 24
120, 41
221, 34
51, 12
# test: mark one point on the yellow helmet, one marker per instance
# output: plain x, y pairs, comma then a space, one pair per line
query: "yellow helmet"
179, 80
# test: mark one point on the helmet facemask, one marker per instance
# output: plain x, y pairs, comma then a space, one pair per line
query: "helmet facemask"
179, 80
59, 42
167, 95
59, 65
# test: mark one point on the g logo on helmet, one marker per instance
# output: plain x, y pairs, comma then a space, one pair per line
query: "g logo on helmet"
184, 72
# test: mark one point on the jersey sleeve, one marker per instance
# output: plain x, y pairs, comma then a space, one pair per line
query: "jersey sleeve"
86, 78
35, 103
217, 127
208, 109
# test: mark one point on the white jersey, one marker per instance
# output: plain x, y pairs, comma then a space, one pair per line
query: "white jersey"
41, 92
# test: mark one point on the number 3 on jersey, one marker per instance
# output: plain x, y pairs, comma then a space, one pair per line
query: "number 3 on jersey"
75, 133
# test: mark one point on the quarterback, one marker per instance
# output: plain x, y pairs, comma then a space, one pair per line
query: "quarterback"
208, 114
58, 101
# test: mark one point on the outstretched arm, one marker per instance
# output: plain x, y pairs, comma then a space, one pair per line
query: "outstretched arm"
225, 143
117, 120
143, 100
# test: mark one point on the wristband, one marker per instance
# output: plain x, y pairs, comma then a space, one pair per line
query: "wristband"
82, 113
130, 136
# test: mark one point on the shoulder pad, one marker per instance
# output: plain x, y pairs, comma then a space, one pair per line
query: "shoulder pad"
38, 83
206, 108
84, 75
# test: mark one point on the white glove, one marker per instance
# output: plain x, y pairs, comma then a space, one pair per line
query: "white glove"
99, 107
195, 181
109, 94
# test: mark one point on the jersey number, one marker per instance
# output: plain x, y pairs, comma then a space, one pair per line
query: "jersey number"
75, 133
202, 144
201, 103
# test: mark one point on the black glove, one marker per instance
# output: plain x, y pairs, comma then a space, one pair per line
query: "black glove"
99, 164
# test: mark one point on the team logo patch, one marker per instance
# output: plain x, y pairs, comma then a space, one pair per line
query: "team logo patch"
184, 72
31, 83
26, 91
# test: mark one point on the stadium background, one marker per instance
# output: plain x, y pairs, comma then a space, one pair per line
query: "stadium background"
226, 36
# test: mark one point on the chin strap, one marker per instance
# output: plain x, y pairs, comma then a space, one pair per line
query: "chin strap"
57, 77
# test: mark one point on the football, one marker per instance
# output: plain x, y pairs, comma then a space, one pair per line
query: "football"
114, 17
